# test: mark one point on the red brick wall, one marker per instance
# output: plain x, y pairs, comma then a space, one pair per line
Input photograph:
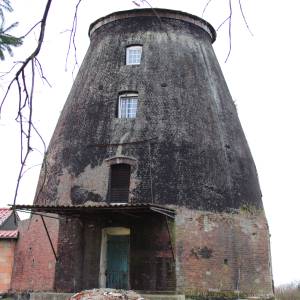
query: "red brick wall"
7, 248
34, 266
222, 251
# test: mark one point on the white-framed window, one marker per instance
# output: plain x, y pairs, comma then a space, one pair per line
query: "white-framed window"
133, 55
127, 107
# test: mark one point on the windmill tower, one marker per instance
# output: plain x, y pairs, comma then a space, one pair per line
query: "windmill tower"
149, 171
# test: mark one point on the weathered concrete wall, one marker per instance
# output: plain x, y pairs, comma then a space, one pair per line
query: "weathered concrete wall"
223, 252
7, 248
200, 158
34, 266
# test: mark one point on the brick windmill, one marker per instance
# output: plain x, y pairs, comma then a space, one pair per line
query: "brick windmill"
149, 179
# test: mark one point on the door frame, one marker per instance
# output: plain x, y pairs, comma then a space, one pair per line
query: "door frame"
103, 254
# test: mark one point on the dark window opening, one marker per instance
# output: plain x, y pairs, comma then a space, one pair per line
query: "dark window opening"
119, 183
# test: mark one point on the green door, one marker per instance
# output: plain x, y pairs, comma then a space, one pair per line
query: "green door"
117, 261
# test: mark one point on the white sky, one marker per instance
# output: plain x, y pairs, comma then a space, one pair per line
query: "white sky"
262, 75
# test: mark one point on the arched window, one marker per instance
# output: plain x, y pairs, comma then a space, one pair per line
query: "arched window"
119, 183
127, 106
133, 55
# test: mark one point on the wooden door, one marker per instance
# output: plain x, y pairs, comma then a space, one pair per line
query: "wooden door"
117, 262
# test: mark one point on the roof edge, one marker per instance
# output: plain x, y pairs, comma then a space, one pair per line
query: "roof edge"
158, 12
5, 218
9, 234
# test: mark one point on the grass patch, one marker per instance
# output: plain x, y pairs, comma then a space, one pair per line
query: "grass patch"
289, 291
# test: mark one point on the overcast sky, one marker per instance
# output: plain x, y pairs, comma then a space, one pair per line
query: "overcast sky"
262, 74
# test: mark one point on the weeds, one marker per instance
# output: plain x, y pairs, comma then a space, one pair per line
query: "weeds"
289, 291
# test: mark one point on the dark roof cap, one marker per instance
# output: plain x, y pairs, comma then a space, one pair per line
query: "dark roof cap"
159, 13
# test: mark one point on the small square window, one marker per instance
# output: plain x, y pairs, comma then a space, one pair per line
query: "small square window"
133, 55
127, 106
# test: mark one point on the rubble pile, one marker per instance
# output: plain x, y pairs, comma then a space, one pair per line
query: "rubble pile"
106, 294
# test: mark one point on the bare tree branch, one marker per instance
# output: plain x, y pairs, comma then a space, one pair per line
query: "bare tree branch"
149, 5
40, 136
26, 93
229, 30
25, 90
10, 70
205, 7
28, 32
45, 170
222, 23
33, 55
229, 21
244, 18
72, 39
135, 3
40, 70
28, 169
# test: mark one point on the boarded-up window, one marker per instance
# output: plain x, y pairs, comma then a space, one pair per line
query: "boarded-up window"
119, 184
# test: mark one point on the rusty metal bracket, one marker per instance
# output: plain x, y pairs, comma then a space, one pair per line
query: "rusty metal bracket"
37, 214
170, 236
49, 238
163, 211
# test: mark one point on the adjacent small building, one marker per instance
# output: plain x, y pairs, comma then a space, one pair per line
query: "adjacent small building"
8, 239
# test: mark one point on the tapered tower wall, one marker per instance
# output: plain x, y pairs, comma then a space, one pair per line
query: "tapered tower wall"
198, 156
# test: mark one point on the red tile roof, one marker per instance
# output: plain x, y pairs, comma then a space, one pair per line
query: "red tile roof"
4, 214
8, 234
